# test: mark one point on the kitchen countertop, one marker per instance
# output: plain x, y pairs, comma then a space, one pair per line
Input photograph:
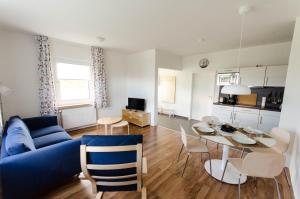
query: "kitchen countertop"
247, 106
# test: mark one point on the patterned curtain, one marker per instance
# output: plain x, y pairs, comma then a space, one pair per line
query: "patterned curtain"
100, 84
46, 90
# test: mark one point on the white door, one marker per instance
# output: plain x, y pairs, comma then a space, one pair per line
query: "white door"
268, 120
252, 76
202, 94
276, 75
224, 113
245, 117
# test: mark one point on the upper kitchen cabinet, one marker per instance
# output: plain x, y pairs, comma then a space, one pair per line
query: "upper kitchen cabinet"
253, 76
275, 76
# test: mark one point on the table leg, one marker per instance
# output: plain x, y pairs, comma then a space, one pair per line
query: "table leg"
231, 176
105, 129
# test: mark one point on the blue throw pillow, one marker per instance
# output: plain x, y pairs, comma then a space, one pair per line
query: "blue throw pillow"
18, 141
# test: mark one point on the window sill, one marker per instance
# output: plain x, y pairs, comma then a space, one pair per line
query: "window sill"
72, 106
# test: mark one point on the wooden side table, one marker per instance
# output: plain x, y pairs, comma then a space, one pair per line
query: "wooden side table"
107, 121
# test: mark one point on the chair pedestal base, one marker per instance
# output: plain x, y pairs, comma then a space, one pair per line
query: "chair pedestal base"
230, 177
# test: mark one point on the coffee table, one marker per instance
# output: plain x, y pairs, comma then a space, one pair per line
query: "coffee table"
108, 121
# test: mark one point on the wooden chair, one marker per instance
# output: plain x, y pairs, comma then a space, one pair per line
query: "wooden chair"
113, 163
118, 125
257, 164
192, 148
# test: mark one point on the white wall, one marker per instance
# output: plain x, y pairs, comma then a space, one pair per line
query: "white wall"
142, 80
290, 109
18, 71
273, 54
168, 60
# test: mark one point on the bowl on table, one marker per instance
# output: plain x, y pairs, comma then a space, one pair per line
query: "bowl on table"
228, 128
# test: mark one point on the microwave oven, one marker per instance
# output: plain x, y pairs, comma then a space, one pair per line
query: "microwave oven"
224, 79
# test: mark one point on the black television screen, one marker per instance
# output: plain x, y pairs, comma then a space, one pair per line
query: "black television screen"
136, 103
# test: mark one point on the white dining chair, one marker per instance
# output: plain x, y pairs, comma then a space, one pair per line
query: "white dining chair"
257, 164
118, 125
282, 138
192, 148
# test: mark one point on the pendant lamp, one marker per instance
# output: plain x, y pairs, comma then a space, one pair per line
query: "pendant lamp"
238, 89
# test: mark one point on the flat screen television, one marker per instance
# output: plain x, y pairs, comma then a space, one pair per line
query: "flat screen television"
136, 104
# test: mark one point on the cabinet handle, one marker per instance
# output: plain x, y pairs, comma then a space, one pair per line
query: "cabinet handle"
234, 116
260, 120
267, 80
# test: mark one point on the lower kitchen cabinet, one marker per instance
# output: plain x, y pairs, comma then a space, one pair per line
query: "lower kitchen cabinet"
268, 120
247, 117
224, 113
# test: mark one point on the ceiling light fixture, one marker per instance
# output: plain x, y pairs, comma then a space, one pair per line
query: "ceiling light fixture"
238, 89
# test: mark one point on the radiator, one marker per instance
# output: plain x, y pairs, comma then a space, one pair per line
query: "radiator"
74, 118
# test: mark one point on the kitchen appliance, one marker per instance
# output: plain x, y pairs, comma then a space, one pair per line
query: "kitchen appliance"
224, 79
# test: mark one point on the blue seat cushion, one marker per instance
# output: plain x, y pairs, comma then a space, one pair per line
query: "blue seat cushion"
113, 158
50, 139
46, 131
18, 139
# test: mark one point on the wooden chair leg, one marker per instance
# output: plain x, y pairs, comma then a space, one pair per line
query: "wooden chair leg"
99, 195
144, 193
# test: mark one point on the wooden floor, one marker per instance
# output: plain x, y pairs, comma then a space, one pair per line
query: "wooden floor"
164, 180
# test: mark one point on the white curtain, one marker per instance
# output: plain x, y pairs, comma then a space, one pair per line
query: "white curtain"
100, 84
46, 89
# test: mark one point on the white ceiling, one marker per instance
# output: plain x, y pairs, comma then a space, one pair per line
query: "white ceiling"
172, 25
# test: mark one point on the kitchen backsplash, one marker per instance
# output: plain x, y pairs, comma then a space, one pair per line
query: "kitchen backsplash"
274, 96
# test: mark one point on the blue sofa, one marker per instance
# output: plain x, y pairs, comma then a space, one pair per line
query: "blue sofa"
36, 156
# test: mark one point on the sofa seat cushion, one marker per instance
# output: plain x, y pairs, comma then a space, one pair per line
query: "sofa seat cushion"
50, 139
18, 139
45, 131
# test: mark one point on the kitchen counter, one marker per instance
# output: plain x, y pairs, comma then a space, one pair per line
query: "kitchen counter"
246, 106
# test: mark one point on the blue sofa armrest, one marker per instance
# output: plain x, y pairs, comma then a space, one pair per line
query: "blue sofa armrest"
34, 123
32, 173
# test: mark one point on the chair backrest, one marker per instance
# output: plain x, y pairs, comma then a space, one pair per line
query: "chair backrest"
112, 163
265, 165
183, 136
210, 119
282, 137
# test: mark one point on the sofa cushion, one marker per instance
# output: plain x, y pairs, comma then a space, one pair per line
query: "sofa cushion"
50, 139
46, 131
18, 139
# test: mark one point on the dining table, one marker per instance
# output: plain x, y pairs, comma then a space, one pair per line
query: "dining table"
108, 121
228, 140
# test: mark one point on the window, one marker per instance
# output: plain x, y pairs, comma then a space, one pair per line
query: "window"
73, 83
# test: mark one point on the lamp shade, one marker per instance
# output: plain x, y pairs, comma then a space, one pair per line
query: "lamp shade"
236, 90
4, 90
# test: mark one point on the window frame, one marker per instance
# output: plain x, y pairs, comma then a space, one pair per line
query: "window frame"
66, 103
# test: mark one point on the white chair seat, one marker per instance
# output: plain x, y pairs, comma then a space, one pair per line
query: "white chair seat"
197, 148
120, 124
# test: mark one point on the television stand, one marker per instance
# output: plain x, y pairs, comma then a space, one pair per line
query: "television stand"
139, 118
